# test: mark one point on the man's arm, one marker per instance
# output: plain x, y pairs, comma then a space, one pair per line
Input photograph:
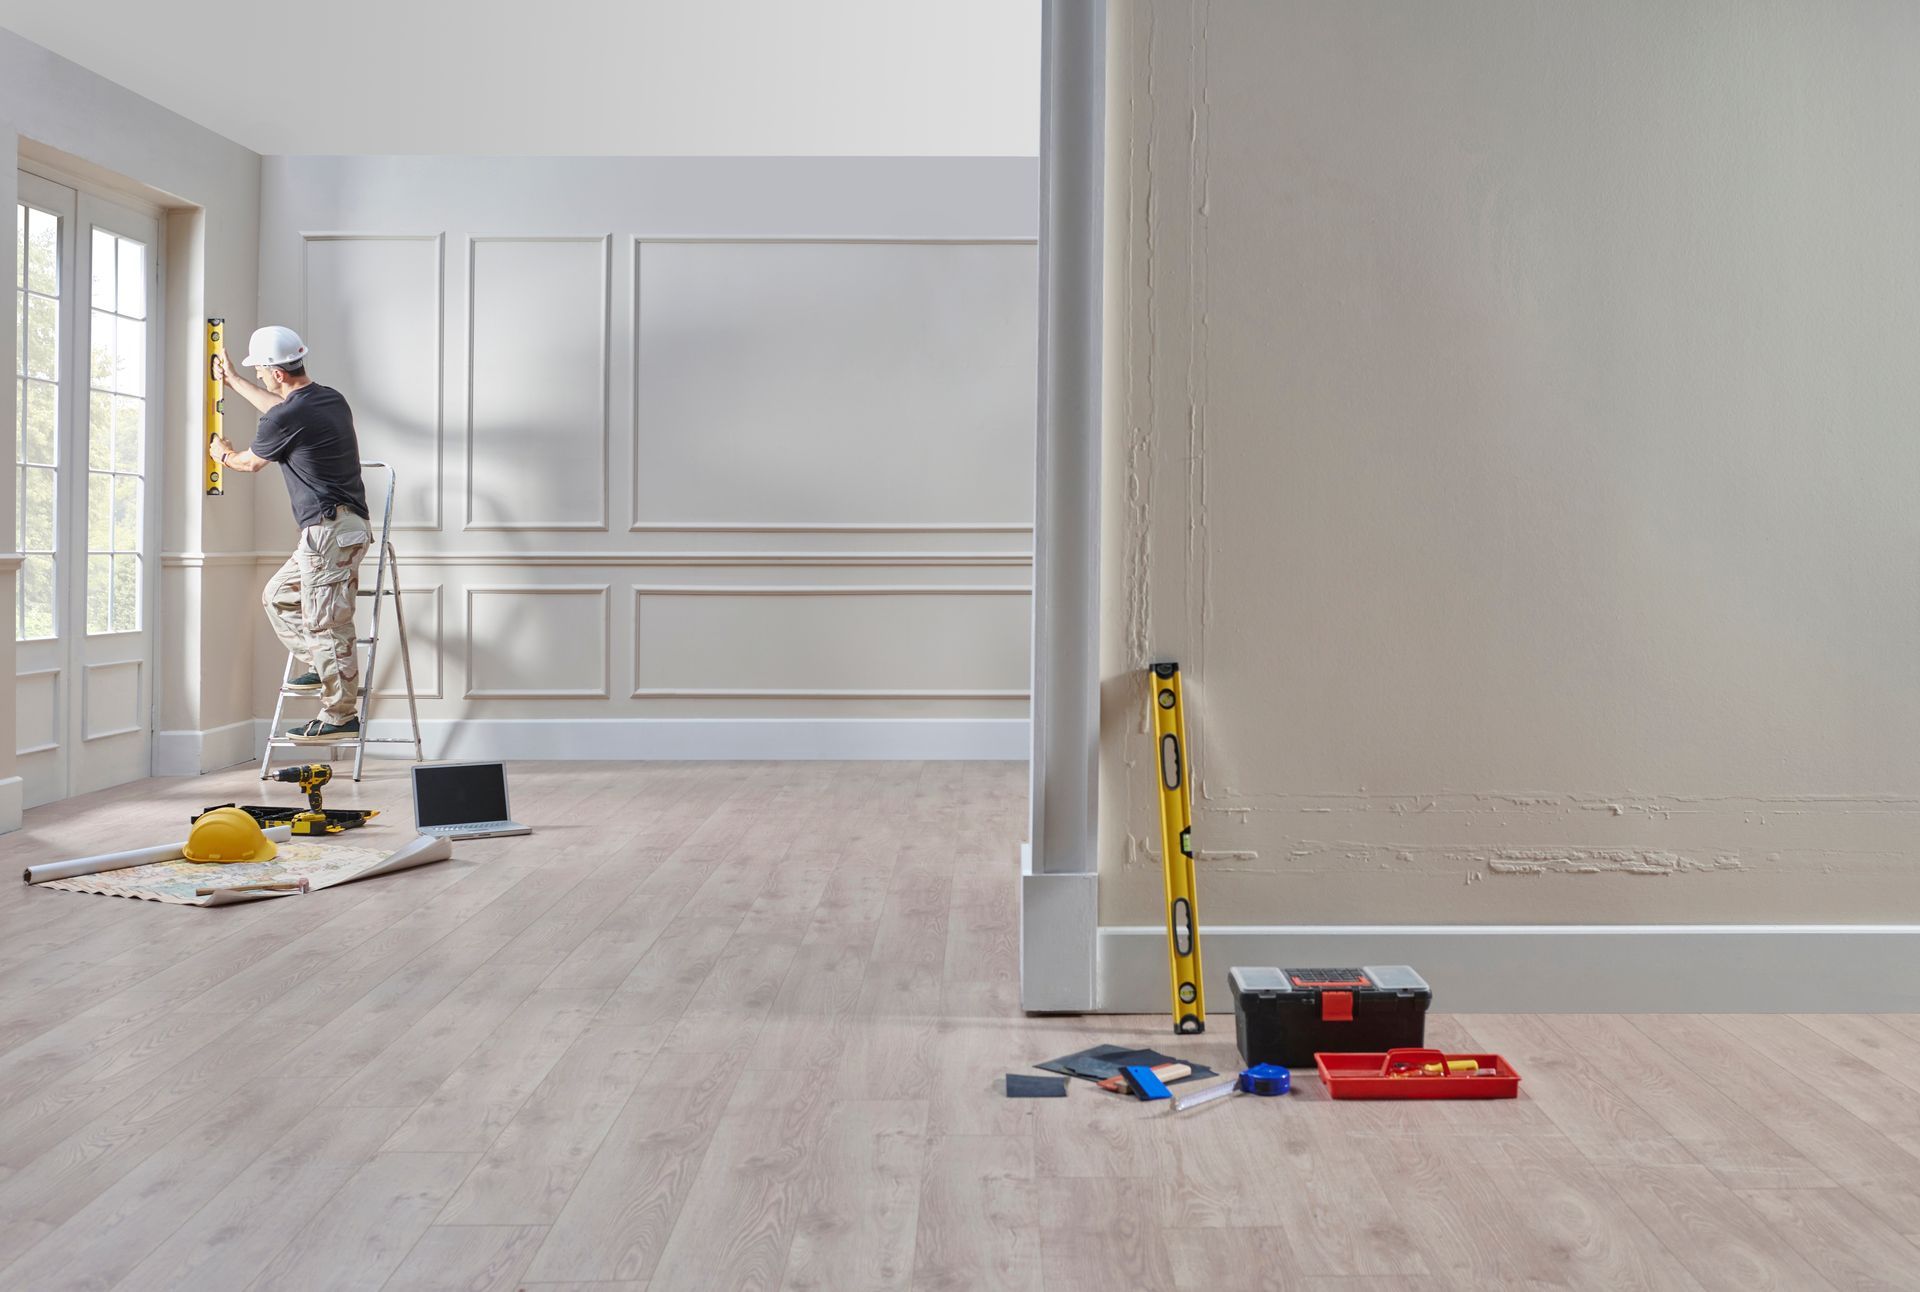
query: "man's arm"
240, 460
261, 399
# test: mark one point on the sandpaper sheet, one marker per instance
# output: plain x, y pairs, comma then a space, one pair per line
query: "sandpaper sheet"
1102, 1061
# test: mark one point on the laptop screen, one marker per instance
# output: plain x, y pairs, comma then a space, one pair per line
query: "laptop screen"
459, 794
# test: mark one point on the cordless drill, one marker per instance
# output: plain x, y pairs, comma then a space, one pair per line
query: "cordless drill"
310, 777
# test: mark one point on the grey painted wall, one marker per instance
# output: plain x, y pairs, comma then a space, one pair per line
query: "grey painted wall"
692, 439
1515, 438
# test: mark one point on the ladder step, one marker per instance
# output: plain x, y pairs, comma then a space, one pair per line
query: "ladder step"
369, 592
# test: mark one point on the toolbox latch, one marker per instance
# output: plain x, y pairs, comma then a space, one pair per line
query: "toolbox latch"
1336, 1007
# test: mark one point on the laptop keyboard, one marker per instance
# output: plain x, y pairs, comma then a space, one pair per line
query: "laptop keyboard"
463, 829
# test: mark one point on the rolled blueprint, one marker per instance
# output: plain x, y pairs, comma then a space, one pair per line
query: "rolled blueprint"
121, 860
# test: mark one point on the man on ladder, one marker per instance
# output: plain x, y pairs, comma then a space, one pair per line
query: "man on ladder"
308, 429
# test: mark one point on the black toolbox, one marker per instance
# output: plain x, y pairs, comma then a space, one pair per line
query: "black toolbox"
1286, 1016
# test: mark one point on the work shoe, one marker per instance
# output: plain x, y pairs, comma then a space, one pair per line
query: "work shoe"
305, 682
319, 732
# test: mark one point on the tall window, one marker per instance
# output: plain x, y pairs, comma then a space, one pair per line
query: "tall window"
36, 441
116, 431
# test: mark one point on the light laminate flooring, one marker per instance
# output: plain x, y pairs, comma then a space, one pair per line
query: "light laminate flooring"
743, 1026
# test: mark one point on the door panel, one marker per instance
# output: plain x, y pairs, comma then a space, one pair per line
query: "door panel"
85, 378
109, 722
43, 299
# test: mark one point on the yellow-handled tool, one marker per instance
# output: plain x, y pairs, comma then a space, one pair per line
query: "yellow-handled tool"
1176, 849
216, 406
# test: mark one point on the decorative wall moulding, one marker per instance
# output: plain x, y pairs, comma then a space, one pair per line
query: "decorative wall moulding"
543, 657
864, 380
399, 324
515, 415
413, 559
424, 648
732, 739
875, 651
842, 527
204, 560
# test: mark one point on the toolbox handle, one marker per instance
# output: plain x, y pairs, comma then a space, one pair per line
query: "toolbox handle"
1413, 1058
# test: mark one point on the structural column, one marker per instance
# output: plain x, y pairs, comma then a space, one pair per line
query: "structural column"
1059, 872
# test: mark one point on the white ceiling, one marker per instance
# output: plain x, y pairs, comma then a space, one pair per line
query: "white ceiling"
582, 77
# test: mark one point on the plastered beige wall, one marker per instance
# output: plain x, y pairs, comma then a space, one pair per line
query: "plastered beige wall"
1513, 433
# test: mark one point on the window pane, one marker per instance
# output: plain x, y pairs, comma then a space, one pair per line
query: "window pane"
36, 510
133, 278
99, 593
131, 370
37, 423
99, 512
20, 244
43, 252
126, 513
43, 338
126, 594
36, 598
103, 260
129, 433
101, 335
100, 431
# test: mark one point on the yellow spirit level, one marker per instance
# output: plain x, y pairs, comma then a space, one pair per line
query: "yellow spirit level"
1176, 850
216, 407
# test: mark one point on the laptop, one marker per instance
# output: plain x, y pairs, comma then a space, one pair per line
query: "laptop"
462, 801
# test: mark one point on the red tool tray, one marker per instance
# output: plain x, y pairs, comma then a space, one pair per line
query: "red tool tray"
1367, 1076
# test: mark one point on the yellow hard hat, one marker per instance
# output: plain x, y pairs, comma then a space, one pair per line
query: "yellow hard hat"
228, 834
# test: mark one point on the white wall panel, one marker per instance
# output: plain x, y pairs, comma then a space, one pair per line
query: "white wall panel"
111, 696
834, 383
425, 632
36, 719
537, 383
375, 326
843, 642
537, 642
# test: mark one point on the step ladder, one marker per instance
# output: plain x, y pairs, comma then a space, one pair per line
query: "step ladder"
385, 564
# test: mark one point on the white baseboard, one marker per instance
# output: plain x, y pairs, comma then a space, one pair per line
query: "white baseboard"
1586, 968
12, 803
189, 753
742, 739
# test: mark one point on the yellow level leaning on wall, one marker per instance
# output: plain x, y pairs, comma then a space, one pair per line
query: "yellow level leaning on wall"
1176, 849
216, 406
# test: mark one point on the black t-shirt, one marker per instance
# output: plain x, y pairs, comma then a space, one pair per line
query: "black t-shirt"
310, 434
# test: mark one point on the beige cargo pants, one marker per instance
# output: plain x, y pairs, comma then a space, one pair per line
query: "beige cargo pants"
309, 601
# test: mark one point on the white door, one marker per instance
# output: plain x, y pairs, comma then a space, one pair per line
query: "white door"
88, 307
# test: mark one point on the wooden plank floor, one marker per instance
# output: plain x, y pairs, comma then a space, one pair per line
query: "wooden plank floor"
742, 1025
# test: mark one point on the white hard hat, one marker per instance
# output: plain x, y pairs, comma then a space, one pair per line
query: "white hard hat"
274, 347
